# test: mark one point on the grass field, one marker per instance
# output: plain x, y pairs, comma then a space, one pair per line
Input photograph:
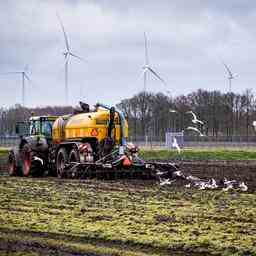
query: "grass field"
200, 154
48, 216
3, 151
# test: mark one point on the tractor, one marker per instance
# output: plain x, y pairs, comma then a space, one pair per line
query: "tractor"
31, 156
84, 144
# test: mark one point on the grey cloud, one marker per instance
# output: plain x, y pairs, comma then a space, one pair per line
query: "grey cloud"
186, 41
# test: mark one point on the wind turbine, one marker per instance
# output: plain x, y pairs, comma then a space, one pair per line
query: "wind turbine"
147, 67
24, 77
230, 75
67, 53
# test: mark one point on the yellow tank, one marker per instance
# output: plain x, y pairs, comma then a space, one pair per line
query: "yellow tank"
86, 125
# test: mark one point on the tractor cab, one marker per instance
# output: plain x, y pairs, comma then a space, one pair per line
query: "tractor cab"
36, 126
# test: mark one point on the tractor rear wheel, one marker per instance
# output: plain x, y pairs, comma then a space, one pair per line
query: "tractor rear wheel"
26, 155
62, 160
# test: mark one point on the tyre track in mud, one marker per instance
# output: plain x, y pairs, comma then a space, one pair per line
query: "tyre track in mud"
49, 244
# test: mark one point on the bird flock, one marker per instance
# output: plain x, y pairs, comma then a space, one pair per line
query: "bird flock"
170, 177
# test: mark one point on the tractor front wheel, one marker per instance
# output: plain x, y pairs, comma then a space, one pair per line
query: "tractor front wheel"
13, 168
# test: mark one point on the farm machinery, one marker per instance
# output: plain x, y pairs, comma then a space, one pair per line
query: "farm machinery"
85, 144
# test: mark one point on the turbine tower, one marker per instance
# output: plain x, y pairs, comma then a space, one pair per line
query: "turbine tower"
24, 77
67, 53
230, 75
148, 68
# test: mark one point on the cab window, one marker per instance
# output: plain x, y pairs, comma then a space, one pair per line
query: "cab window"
47, 128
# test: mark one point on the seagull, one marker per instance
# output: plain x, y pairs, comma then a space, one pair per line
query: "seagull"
195, 120
243, 187
176, 145
192, 178
196, 130
166, 182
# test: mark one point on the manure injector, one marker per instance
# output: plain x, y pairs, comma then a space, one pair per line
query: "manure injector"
86, 144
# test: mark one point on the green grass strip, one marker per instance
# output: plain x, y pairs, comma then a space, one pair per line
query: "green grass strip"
199, 154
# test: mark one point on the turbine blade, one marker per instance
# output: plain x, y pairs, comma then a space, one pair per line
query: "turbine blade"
25, 75
8, 73
146, 49
76, 56
64, 33
141, 74
156, 75
227, 68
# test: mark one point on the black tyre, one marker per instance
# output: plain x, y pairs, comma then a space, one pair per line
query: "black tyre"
26, 157
30, 166
62, 160
12, 164
74, 156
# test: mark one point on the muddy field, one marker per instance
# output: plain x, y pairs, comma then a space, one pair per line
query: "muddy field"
48, 216
244, 170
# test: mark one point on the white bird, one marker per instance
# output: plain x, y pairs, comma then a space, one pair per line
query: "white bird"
195, 120
243, 187
230, 186
172, 110
158, 173
176, 145
192, 178
195, 130
166, 182
254, 124
179, 174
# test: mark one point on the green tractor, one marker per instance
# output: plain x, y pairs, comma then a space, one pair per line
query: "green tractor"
31, 156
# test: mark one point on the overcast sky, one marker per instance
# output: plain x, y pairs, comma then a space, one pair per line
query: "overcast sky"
186, 41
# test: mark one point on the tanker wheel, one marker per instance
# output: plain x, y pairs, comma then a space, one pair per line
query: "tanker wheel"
62, 159
74, 157
12, 165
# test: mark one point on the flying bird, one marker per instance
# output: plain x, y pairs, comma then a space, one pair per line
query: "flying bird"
195, 130
195, 120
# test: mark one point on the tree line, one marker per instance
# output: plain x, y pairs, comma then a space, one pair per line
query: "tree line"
10, 116
153, 114
224, 114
